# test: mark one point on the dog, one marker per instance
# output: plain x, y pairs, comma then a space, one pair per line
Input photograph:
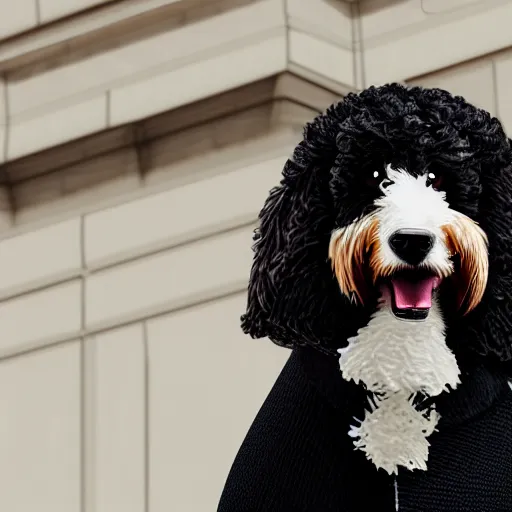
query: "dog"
383, 259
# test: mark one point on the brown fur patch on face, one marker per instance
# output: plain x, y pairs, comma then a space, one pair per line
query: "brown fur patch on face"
355, 258
351, 250
465, 238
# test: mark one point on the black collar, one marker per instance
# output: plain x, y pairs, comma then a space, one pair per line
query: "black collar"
480, 388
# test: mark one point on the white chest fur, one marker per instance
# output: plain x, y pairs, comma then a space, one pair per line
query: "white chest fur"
395, 359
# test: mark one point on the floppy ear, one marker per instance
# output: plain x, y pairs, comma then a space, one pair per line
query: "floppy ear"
488, 329
293, 297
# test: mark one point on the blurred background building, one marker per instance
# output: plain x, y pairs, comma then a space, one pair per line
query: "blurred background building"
139, 138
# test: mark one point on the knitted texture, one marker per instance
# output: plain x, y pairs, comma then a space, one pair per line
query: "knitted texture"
297, 456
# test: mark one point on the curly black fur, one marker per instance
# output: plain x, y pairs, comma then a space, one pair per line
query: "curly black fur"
294, 298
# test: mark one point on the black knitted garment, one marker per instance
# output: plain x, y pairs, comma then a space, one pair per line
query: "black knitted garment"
297, 455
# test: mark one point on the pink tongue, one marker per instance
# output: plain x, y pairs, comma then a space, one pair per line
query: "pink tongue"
414, 294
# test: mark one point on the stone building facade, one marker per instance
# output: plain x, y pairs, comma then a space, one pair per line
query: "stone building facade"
138, 141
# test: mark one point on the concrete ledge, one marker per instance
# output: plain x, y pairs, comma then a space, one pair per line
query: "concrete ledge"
161, 60
282, 86
88, 30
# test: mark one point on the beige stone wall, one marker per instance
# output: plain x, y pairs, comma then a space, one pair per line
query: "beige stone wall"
138, 141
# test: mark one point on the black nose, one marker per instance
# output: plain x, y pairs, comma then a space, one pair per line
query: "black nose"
411, 245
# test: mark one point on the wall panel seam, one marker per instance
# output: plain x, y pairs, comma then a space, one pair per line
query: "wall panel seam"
132, 256
147, 418
126, 321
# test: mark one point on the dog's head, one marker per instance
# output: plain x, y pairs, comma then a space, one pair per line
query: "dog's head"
405, 192
407, 243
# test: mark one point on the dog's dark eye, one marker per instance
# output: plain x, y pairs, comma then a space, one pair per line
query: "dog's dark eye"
375, 177
435, 179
